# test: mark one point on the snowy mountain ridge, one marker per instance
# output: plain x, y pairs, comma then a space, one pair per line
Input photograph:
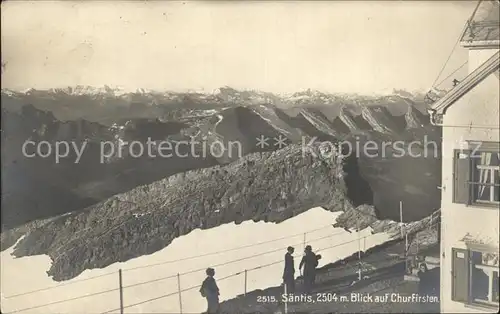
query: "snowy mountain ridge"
227, 93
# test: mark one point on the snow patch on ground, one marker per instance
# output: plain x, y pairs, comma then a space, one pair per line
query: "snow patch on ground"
20, 275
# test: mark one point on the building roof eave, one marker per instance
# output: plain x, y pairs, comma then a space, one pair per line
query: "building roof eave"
481, 44
468, 83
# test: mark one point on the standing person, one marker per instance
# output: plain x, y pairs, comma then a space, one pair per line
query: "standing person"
289, 271
424, 286
210, 291
309, 261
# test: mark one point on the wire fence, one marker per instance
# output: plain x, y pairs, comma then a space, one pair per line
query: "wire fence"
304, 234
181, 277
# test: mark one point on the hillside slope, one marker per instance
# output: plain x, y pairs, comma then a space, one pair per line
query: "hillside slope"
274, 187
37, 187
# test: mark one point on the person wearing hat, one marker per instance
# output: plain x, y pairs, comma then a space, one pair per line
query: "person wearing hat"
210, 291
289, 271
310, 262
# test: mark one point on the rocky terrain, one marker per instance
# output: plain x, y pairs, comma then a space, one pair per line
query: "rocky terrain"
138, 205
148, 218
274, 187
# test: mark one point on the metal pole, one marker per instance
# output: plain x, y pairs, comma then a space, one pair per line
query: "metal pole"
304, 240
359, 246
401, 217
407, 248
246, 274
406, 251
359, 252
179, 290
286, 299
120, 278
403, 235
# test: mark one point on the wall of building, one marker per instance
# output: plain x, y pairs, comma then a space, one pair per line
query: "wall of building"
478, 57
480, 107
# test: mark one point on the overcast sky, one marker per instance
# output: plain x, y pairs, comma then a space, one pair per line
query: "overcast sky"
280, 47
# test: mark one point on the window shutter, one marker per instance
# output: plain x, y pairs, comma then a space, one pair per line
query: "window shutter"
460, 275
461, 176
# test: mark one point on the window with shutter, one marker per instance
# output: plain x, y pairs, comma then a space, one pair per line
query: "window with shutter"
461, 176
484, 278
485, 185
460, 275
475, 277
476, 175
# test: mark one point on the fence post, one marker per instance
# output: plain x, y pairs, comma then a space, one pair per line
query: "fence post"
179, 291
120, 278
417, 249
246, 282
359, 250
286, 299
404, 236
359, 257
407, 250
401, 217
407, 244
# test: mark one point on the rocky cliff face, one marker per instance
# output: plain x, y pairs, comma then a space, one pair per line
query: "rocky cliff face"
321, 123
378, 120
242, 126
414, 118
269, 114
264, 186
355, 127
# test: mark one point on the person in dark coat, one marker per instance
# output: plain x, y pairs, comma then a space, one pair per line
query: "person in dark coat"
210, 291
310, 262
289, 271
425, 287
423, 284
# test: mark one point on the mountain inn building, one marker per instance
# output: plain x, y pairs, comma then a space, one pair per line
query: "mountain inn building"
469, 116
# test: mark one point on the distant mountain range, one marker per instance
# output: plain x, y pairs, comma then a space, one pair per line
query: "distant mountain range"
38, 188
225, 91
106, 104
227, 115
